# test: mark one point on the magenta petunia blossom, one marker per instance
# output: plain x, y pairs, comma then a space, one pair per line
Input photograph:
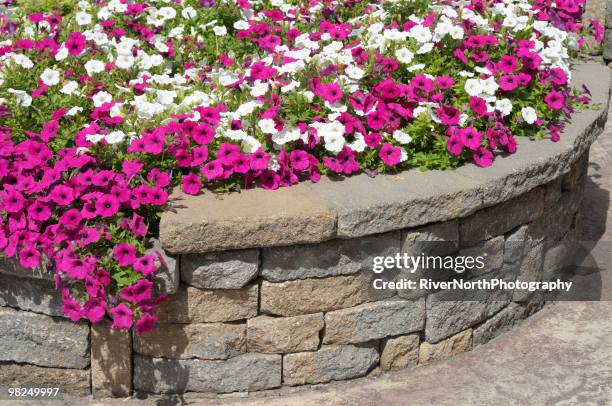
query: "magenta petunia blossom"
145, 265
29, 258
107, 206
483, 157
507, 64
191, 184
213, 170
454, 144
122, 316
479, 105
299, 160
390, 154
471, 138
259, 160
508, 82
554, 100
145, 324
124, 254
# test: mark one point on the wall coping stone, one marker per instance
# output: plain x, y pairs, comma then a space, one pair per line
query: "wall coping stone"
360, 205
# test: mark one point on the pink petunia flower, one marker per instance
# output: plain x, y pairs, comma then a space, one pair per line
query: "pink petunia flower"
554, 100
483, 157
390, 155
191, 184
122, 316
124, 254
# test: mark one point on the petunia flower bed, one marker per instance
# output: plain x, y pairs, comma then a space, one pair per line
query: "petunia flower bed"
106, 106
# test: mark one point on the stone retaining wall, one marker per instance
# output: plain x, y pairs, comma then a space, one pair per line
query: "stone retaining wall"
272, 292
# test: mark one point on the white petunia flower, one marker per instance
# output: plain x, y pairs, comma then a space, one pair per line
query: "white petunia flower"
529, 115
115, 137
473, 87
94, 66
404, 55
23, 98
220, 30
354, 72
74, 111
124, 61
259, 88
101, 97
402, 137
69, 88
95, 138
50, 77
504, 106
285, 136
61, 54
188, 13
83, 18
267, 126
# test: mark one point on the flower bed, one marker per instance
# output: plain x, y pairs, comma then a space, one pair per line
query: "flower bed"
105, 107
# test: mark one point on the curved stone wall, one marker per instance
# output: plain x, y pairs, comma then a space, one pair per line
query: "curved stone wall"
275, 288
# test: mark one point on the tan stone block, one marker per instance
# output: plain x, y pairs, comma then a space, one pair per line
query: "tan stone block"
193, 305
399, 352
284, 334
71, 381
111, 362
453, 345
315, 295
330, 363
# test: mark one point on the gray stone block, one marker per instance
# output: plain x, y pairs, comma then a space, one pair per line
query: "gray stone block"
11, 266
37, 295
433, 239
306, 296
450, 312
74, 382
499, 219
331, 258
247, 372
372, 321
43, 340
197, 340
220, 270
499, 323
